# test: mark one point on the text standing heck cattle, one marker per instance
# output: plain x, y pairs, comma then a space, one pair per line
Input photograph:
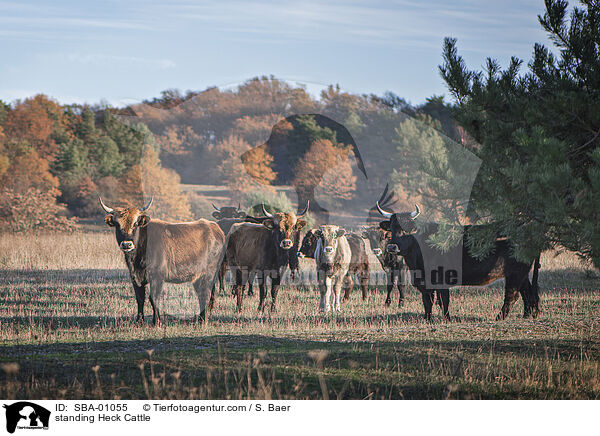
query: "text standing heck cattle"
157, 252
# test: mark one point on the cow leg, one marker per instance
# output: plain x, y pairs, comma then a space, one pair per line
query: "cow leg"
390, 286
140, 297
400, 285
427, 296
443, 297
530, 299
364, 276
274, 288
250, 283
156, 286
337, 289
325, 294
263, 295
201, 286
239, 289
511, 295
221, 277
349, 282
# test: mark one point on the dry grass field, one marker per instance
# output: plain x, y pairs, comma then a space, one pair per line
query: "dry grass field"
66, 331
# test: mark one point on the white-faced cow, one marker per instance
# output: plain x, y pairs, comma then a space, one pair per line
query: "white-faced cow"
332, 256
157, 252
423, 261
264, 250
359, 261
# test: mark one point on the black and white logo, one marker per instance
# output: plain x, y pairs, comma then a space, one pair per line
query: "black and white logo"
26, 415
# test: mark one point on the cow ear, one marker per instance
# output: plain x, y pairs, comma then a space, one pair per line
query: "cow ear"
318, 233
385, 225
216, 215
340, 232
143, 220
269, 224
300, 224
108, 219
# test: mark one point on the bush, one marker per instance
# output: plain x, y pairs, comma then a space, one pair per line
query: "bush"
32, 210
200, 206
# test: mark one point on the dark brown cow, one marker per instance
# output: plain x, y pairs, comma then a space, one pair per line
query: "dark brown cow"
359, 261
263, 250
392, 264
157, 252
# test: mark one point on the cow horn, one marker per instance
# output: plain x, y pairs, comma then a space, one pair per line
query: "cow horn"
265, 211
239, 206
416, 213
147, 206
105, 207
385, 214
216, 208
301, 214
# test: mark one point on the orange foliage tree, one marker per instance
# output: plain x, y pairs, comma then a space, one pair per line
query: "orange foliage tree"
34, 120
328, 167
150, 179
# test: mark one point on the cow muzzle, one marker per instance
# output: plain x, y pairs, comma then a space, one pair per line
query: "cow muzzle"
392, 248
286, 244
377, 251
301, 255
328, 249
127, 246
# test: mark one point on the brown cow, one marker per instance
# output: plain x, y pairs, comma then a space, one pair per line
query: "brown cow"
263, 250
157, 252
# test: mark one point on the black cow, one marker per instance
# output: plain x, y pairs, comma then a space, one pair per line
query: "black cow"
228, 212
413, 247
392, 264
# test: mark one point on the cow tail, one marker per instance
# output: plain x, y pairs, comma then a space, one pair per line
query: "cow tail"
534, 279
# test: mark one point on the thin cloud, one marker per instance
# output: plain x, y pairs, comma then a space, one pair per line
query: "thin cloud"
101, 59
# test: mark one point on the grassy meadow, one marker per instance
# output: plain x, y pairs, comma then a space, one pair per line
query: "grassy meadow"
67, 331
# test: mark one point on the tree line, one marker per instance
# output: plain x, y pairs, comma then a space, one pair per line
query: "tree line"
535, 132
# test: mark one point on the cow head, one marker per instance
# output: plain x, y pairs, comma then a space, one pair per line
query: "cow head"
126, 222
329, 236
285, 227
309, 244
378, 238
399, 223
228, 212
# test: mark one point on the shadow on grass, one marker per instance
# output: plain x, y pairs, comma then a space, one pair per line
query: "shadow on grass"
58, 276
419, 369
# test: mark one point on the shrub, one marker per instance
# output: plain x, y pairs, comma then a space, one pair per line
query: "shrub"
32, 210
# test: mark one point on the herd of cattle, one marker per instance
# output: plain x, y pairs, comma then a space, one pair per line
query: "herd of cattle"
201, 252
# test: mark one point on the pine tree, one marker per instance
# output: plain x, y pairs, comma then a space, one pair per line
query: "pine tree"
538, 135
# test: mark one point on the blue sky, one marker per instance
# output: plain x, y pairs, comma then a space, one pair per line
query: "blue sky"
124, 52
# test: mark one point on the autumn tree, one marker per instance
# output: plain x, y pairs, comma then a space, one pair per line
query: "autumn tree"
34, 120
150, 179
326, 165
